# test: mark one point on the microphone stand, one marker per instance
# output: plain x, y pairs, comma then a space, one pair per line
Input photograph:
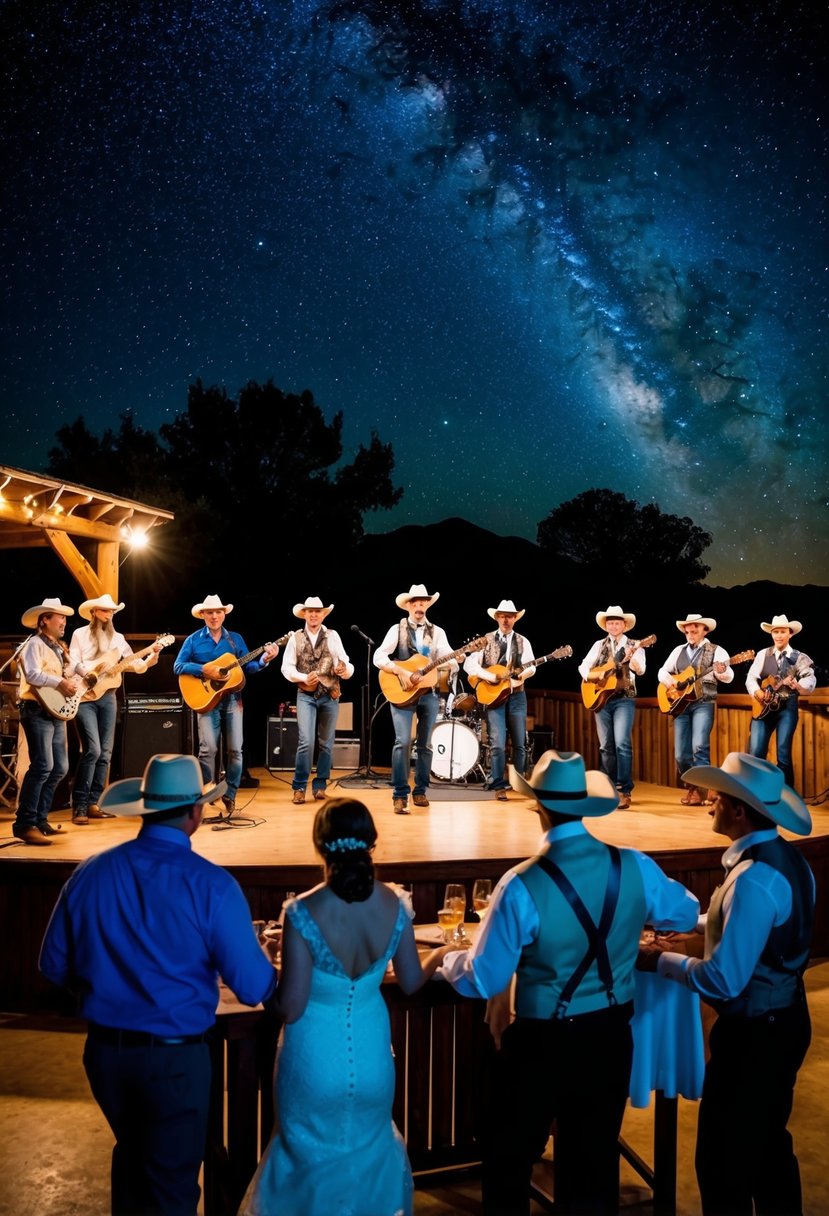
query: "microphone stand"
365, 774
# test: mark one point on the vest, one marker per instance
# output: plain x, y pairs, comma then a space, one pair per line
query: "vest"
319, 659
547, 963
777, 981
52, 664
787, 667
491, 656
406, 639
608, 652
704, 667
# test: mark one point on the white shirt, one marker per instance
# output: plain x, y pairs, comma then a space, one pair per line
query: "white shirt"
591, 659
335, 649
84, 652
473, 664
440, 645
671, 666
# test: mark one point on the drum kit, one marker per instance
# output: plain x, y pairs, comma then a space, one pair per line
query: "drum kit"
460, 750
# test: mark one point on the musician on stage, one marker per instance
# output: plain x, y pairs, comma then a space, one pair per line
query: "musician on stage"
199, 656
45, 666
505, 648
315, 659
414, 634
614, 721
692, 728
96, 718
786, 672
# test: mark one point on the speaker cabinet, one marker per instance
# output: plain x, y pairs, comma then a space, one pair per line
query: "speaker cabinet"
281, 745
150, 725
346, 753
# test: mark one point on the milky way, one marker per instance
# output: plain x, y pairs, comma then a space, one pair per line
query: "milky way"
538, 247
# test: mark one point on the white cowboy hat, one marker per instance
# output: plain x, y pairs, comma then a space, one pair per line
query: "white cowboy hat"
694, 618
211, 603
759, 783
560, 783
313, 601
417, 591
168, 782
506, 606
615, 611
103, 601
30, 616
781, 622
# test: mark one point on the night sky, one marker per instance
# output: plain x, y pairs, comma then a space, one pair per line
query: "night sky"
540, 247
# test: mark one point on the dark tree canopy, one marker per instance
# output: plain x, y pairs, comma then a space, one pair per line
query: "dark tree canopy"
604, 530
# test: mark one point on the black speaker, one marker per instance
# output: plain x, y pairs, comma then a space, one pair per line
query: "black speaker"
280, 749
150, 725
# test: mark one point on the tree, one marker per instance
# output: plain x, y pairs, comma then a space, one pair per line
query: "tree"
605, 530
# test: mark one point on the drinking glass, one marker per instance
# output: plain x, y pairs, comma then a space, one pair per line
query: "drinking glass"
455, 899
481, 895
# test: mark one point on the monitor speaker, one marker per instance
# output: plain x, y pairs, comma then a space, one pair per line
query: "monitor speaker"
150, 725
280, 751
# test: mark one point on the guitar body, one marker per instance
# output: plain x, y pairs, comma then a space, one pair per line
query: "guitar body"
202, 694
106, 678
771, 699
394, 691
56, 704
678, 697
490, 695
595, 694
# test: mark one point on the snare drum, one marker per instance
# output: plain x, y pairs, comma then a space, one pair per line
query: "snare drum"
455, 750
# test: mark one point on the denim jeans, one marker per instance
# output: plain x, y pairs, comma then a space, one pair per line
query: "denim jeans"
228, 716
313, 716
96, 726
48, 763
512, 717
692, 734
426, 709
784, 722
614, 726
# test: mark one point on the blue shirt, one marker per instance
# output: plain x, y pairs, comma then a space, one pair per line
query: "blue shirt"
199, 648
141, 932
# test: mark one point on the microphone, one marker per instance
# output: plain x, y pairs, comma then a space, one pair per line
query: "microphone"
356, 629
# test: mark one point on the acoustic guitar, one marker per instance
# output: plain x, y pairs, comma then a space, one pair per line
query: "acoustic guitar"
109, 666
773, 696
676, 699
391, 684
202, 694
492, 695
610, 678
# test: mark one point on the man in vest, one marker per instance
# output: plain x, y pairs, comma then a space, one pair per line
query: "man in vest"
790, 672
315, 659
567, 924
414, 634
505, 648
757, 934
692, 728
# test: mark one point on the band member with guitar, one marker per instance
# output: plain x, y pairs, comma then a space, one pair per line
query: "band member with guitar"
45, 668
615, 661
692, 727
201, 656
98, 710
413, 635
775, 680
505, 648
315, 659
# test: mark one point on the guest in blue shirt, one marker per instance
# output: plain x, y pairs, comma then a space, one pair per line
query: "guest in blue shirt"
200, 658
140, 934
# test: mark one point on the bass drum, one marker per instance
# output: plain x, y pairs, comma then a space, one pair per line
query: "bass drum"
455, 750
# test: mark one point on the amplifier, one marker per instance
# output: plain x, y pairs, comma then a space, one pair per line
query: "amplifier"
281, 744
149, 725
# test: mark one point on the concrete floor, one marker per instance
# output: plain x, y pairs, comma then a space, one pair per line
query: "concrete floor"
55, 1145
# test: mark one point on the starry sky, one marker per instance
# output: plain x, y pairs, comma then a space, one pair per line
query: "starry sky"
539, 247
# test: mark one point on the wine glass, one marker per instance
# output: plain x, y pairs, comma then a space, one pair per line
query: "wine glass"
481, 895
455, 900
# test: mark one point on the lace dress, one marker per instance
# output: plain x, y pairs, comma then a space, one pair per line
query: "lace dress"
335, 1150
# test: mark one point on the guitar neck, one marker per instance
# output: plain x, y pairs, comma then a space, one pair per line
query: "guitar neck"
563, 652
254, 654
446, 658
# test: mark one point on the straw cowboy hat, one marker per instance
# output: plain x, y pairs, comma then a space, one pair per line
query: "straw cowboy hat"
211, 603
313, 601
560, 783
781, 622
694, 618
103, 601
506, 606
759, 784
30, 616
615, 611
168, 782
417, 591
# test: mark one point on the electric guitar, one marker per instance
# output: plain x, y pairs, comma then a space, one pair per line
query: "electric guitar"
676, 699
109, 666
391, 684
203, 694
610, 678
56, 704
492, 695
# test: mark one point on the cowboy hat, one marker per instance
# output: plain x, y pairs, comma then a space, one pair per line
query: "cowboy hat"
211, 603
615, 611
506, 606
781, 622
103, 601
417, 591
759, 784
168, 782
30, 617
694, 618
559, 782
313, 601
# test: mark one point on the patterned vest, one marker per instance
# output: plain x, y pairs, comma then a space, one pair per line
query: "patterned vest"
547, 963
318, 659
491, 656
704, 666
406, 638
606, 655
787, 667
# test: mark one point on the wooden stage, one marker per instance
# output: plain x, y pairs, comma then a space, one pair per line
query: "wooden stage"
464, 834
